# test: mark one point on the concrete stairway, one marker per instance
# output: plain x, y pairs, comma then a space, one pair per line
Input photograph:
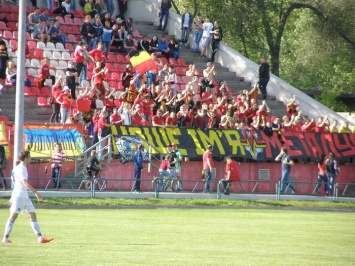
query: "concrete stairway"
32, 112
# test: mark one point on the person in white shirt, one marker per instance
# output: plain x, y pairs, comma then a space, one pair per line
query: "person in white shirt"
20, 201
206, 36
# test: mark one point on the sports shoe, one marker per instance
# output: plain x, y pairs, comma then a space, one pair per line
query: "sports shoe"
6, 241
45, 240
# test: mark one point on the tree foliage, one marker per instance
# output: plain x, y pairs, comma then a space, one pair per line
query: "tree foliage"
310, 43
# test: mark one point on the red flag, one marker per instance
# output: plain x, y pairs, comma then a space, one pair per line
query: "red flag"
142, 62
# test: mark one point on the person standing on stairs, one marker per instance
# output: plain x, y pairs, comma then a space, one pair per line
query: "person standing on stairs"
164, 12
186, 23
264, 77
217, 35
206, 36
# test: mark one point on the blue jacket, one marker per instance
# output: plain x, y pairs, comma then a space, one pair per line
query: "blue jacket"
138, 160
162, 45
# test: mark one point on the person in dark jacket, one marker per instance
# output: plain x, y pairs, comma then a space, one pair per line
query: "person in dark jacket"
3, 164
264, 77
164, 12
138, 166
217, 35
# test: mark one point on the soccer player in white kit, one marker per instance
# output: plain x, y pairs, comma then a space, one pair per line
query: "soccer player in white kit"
20, 200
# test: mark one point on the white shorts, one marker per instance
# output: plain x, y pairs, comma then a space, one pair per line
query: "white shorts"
205, 41
19, 205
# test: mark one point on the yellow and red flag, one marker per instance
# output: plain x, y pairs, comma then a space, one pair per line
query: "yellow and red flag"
142, 62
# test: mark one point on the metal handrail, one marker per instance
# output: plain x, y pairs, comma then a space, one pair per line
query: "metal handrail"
82, 163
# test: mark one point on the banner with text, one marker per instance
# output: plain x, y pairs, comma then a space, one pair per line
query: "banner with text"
247, 144
41, 139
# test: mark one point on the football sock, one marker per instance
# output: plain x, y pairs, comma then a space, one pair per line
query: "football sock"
35, 227
8, 228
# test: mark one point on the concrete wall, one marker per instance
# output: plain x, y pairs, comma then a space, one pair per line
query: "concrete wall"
123, 175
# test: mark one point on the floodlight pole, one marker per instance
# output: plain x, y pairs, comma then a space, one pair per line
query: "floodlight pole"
20, 81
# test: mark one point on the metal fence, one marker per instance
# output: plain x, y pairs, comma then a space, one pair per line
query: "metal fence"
189, 186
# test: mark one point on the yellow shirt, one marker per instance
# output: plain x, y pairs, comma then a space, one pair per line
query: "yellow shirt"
343, 129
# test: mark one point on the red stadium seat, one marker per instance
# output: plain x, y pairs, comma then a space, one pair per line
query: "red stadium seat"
68, 21
112, 58
113, 84
38, 53
13, 17
12, 26
137, 34
181, 62
70, 47
27, 91
15, 9
173, 62
60, 20
7, 9
79, 13
65, 29
77, 21
72, 38
14, 34
115, 76
7, 34
42, 101
3, 26
46, 91
38, 92
119, 68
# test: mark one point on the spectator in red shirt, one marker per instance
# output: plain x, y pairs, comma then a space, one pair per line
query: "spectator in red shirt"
103, 129
56, 91
137, 116
148, 104
292, 106
171, 120
308, 125
109, 100
321, 124
95, 120
199, 121
99, 73
78, 57
65, 100
164, 167
208, 165
231, 174
115, 118
44, 71
98, 54
207, 96
158, 120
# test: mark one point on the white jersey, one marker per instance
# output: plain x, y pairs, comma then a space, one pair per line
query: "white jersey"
207, 27
20, 174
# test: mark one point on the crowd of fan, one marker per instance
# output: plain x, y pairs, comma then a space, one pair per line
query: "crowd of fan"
155, 98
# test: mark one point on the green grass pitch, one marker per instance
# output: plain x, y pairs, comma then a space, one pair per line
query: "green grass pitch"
169, 236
